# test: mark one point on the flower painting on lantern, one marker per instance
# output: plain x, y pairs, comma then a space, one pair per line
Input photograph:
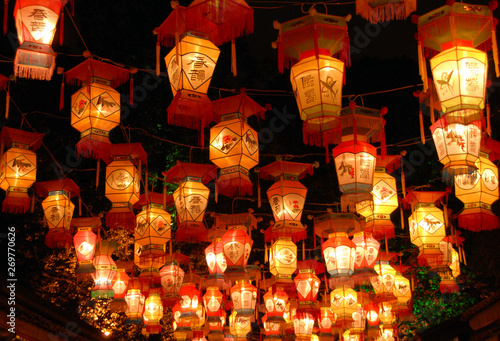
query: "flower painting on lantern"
383, 191
290, 204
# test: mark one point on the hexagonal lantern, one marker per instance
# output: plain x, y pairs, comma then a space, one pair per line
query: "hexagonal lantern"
275, 302
237, 245
105, 270
303, 324
244, 297
172, 277
402, 291
326, 321
383, 281
85, 240
153, 312
367, 251
135, 302
307, 282
240, 326
339, 253
190, 295
343, 301
283, 259
271, 328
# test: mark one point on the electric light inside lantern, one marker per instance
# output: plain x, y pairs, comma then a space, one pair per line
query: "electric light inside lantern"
237, 245
343, 301
303, 324
135, 306
153, 312
105, 270
244, 297
339, 253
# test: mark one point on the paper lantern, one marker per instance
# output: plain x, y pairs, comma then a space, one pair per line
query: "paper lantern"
339, 253
119, 284
343, 301
153, 226
216, 327
367, 251
105, 270
236, 245
36, 22
383, 282
307, 282
371, 313
213, 303
478, 191
402, 291
427, 226
234, 145
386, 332
240, 326
447, 265
303, 324
330, 223
190, 296
191, 198
271, 328
18, 167
376, 11
172, 277
244, 297
95, 108
275, 303
216, 260
283, 259
135, 303
182, 326
84, 241
357, 327
153, 312
287, 198
326, 321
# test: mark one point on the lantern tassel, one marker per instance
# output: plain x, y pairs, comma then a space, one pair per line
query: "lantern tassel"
216, 192
403, 179
303, 249
33, 203
445, 211
488, 120
97, 172
431, 106
327, 155
61, 28
259, 202
158, 49
164, 196
266, 256
61, 94
5, 17
421, 120
80, 206
402, 217
233, 59
421, 66
463, 255
7, 103
72, 2
494, 47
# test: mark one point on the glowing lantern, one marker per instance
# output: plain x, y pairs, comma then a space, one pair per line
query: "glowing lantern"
367, 250
383, 282
172, 277
119, 284
326, 321
478, 191
216, 327
303, 324
402, 291
36, 22
427, 226
191, 198
275, 304
271, 328
216, 260
330, 223
153, 312
240, 326
371, 313
287, 197
244, 297
357, 327
58, 210
182, 326
18, 167
376, 11
105, 270
339, 253
317, 77
237, 245
149, 269
343, 301
190, 296
135, 303
95, 108
213, 303
234, 145
447, 265
85, 241
386, 332
153, 226
306, 281
283, 259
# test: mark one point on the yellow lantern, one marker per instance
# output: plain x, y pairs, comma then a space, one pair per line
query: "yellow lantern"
123, 183
383, 282
402, 291
95, 108
283, 259
153, 312
153, 226
18, 167
478, 191
239, 325
135, 302
36, 22
343, 301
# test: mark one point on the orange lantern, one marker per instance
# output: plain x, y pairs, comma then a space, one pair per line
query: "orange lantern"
307, 282
153, 225
234, 145
339, 253
371, 313
105, 270
191, 198
95, 108
478, 191
402, 291
190, 296
283, 259
303, 324
330, 223
380, 11
326, 321
236, 245
272, 329
85, 242
153, 312
427, 225
383, 281
216, 260
120, 284
213, 301
367, 250
275, 302
18, 167
123, 183
343, 301
36, 22
58, 210
244, 297
135, 302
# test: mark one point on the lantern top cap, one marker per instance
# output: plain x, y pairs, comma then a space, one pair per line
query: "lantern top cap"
134, 150
224, 221
340, 222
277, 168
389, 162
176, 257
415, 197
84, 71
154, 198
241, 104
183, 169
92, 222
127, 265
11, 135
386, 256
66, 185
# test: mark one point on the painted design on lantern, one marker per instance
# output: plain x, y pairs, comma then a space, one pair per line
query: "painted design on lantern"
119, 179
198, 67
233, 251
21, 165
326, 323
445, 83
167, 282
286, 256
250, 142
308, 86
85, 248
269, 305
160, 225
236, 298
225, 140
413, 228
473, 74
327, 86
365, 165
242, 321
490, 179
376, 283
40, 21
186, 301
119, 287
196, 205
221, 261
280, 305
248, 249
345, 168
304, 288
142, 226
54, 214
454, 137
430, 223
137, 182
349, 299
174, 72
467, 181
247, 297
105, 104
362, 252
80, 105
402, 287
210, 257
388, 280
383, 191
152, 307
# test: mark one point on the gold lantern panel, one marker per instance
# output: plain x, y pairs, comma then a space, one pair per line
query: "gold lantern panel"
239, 325
58, 210
283, 259
344, 302
402, 291
153, 313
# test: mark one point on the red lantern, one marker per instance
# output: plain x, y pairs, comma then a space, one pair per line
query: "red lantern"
307, 282
36, 22
18, 167
213, 302
339, 252
275, 304
85, 241
105, 270
172, 277
237, 246
326, 321
343, 303
380, 11
371, 312
216, 261
244, 297
190, 296
271, 328
121, 280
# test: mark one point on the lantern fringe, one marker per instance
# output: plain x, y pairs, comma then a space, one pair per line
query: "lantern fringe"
191, 232
116, 218
390, 11
478, 221
382, 232
321, 135
26, 65
93, 146
16, 203
189, 113
5, 11
235, 187
58, 239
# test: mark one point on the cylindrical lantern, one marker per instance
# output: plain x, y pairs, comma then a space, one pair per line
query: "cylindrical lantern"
95, 108
236, 245
105, 270
343, 301
36, 22
153, 312
339, 253
85, 241
303, 324
283, 259
18, 167
275, 304
383, 282
367, 249
244, 297
135, 303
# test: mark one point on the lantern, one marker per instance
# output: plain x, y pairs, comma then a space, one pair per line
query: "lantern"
58, 210
153, 226
119, 284
135, 303
306, 281
149, 269
18, 167
330, 223
357, 327
287, 198
447, 265
271, 328
153, 312
191, 198
172, 277
339, 253
427, 226
326, 321
386, 332
379, 11
371, 313
216, 326
367, 250
240, 326
213, 303
478, 191
181, 326
237, 245
105, 270
317, 77
244, 297
343, 301
216, 260
383, 282
190, 296
36, 22
402, 291
234, 145
283, 259
95, 108
275, 304
85, 242
303, 324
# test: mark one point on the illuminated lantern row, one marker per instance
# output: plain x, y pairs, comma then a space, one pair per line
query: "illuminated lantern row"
85, 241
123, 183
478, 191
18, 167
58, 210
316, 77
36, 22
191, 198
135, 302
234, 145
427, 225
379, 11
105, 270
95, 108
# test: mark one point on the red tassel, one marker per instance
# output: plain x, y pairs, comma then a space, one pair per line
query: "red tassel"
281, 57
61, 95
421, 120
158, 49
5, 10
72, 7
61, 28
